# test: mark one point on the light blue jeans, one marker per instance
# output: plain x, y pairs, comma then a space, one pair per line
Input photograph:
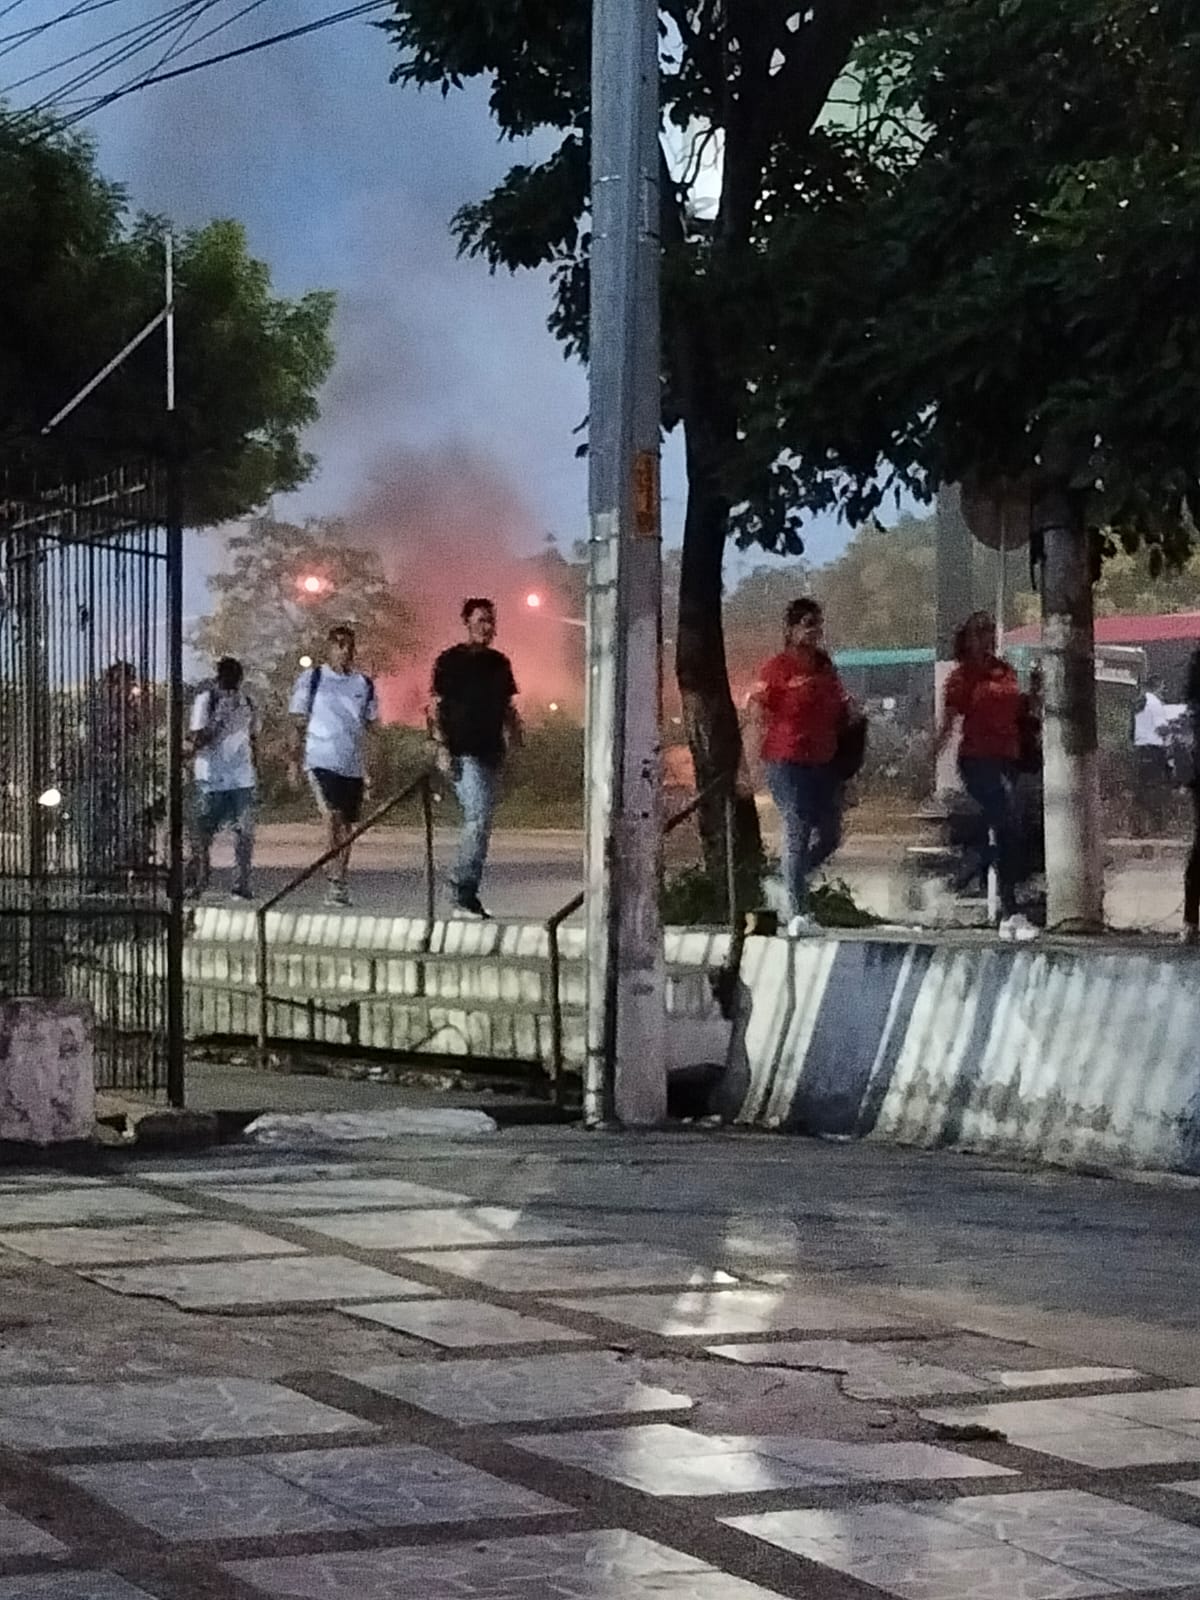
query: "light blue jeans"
477, 786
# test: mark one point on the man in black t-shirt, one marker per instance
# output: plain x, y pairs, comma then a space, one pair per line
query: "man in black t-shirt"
474, 722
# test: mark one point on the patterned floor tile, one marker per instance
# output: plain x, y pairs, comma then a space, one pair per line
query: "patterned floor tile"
51, 1207
1084, 1430
71, 1586
724, 1311
147, 1241
587, 1266
665, 1459
872, 1371
609, 1565
1044, 1543
283, 1281
1161, 1408
1109, 1447
1120, 1544
21, 1538
430, 1230
335, 1194
209, 1499
1014, 1418
74, 1416
396, 1485
1000, 1572
901, 1461
858, 1532
524, 1388
1055, 1377
619, 1455
460, 1324
1035, 1517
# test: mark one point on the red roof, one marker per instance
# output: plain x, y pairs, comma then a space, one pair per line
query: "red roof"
1175, 625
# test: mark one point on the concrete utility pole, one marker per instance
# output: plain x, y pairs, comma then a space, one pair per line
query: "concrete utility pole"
1070, 764
625, 1073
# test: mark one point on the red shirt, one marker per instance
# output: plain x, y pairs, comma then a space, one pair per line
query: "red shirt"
803, 701
987, 696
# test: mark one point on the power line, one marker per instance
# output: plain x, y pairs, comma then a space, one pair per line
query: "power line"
13, 41
144, 33
316, 26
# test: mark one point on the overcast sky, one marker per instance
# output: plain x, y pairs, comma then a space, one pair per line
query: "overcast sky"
344, 181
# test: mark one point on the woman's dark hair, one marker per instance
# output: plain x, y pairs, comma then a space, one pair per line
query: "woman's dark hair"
977, 619
802, 610
229, 672
477, 603
1191, 692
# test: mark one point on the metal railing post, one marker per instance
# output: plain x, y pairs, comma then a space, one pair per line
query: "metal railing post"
556, 1015
430, 864
260, 978
420, 783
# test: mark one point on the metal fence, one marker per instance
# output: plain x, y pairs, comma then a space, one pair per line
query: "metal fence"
90, 869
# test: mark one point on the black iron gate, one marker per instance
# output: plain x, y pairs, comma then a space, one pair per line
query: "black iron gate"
90, 799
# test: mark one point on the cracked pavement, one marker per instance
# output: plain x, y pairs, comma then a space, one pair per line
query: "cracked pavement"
544, 1363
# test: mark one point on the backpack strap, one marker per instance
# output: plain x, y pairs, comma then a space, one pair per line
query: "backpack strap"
370, 700
314, 683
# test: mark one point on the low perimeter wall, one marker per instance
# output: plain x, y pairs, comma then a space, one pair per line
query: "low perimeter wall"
1055, 1053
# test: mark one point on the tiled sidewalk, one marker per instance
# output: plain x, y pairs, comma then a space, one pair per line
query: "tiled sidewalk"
373, 1379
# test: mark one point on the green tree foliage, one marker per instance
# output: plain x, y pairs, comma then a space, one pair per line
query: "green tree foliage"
1018, 298
266, 617
754, 80
79, 276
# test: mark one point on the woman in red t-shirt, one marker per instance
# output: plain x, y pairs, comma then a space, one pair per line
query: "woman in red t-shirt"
984, 697
800, 705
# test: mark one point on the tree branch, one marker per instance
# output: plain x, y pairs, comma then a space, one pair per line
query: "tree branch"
815, 56
701, 44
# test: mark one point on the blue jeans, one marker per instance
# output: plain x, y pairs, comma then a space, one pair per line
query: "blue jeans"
808, 800
216, 809
991, 785
477, 786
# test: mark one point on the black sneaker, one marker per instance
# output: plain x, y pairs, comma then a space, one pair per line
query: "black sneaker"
470, 905
241, 893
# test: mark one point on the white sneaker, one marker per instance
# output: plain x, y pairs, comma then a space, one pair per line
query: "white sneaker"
804, 927
1017, 929
337, 895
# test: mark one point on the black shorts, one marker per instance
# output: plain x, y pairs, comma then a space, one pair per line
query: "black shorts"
336, 794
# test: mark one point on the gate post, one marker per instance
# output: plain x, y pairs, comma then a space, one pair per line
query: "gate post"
175, 759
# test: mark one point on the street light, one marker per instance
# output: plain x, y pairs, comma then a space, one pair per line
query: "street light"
535, 602
312, 584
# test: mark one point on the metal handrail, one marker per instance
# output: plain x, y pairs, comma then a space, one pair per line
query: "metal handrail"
424, 784
554, 923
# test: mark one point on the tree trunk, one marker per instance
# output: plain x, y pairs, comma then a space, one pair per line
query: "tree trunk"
1074, 857
710, 717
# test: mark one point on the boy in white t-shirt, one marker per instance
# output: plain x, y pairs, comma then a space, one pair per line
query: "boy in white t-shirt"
332, 707
223, 739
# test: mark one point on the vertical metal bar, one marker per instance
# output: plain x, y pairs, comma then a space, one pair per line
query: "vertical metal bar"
175, 911
430, 863
624, 1070
556, 1011
260, 978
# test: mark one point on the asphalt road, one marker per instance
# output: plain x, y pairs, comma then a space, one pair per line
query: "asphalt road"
532, 872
